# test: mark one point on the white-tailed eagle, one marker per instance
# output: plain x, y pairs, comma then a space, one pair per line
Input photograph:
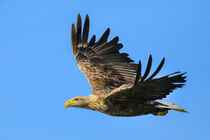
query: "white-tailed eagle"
118, 86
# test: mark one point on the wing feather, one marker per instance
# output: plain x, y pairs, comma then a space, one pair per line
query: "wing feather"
86, 29
138, 74
103, 38
92, 41
73, 39
79, 29
157, 70
149, 64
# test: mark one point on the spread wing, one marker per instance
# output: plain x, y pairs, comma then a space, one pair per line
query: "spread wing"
103, 65
147, 89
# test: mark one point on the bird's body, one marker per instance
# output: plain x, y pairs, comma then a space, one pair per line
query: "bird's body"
118, 87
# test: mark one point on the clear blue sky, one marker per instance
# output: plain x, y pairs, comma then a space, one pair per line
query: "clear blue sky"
38, 72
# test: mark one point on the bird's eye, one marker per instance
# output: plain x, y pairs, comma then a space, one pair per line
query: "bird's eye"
76, 99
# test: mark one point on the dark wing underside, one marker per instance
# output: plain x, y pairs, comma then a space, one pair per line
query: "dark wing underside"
147, 89
103, 65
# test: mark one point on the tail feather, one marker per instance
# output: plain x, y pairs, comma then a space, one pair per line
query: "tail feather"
172, 106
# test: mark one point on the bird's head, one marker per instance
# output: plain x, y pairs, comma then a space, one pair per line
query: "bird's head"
78, 101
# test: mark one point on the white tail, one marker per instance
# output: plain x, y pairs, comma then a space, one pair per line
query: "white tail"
171, 106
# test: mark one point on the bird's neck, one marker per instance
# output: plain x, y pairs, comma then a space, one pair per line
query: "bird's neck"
96, 103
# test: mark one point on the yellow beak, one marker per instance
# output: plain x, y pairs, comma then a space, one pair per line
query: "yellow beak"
67, 104
70, 103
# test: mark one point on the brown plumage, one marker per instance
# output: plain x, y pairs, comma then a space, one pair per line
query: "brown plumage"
118, 88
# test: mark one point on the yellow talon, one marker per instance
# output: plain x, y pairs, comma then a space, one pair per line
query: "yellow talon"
162, 113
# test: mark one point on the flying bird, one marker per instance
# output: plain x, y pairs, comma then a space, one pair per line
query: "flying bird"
118, 86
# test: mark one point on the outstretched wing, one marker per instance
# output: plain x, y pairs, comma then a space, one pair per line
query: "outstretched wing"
147, 89
103, 65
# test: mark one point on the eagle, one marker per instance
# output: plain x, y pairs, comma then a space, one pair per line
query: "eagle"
118, 86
